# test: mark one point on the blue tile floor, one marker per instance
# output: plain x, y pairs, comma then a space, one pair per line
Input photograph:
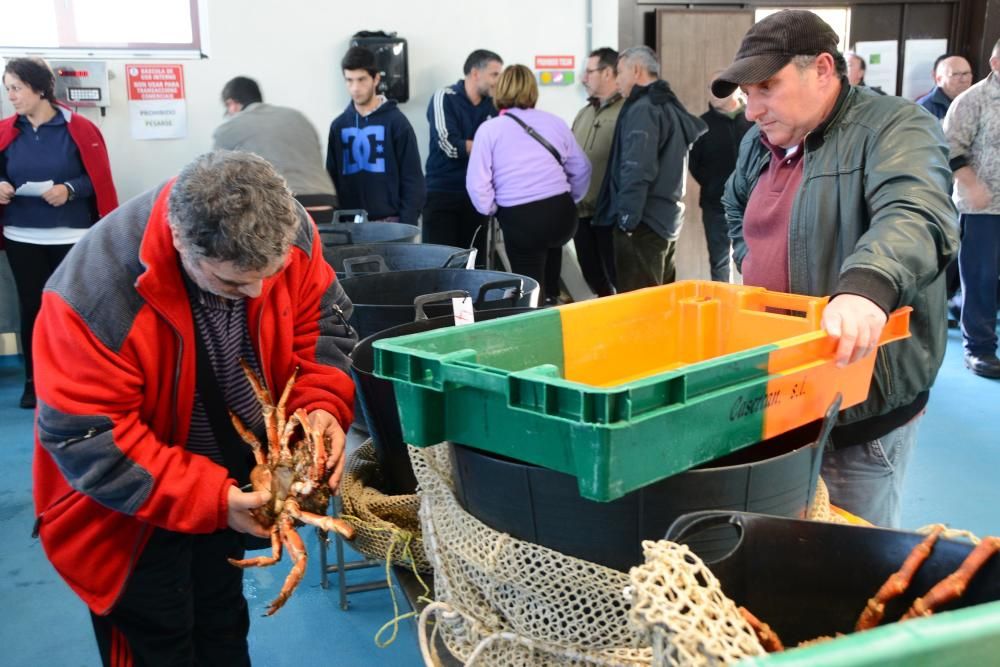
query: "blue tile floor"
953, 479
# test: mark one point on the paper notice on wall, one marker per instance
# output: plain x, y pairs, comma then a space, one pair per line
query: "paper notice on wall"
918, 65
156, 105
881, 59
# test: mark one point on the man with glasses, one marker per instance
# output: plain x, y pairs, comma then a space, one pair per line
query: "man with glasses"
594, 129
952, 76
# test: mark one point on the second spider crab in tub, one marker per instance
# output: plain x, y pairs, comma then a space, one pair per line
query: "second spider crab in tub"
294, 471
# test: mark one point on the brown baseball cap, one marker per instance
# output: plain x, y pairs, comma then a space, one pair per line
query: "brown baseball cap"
770, 45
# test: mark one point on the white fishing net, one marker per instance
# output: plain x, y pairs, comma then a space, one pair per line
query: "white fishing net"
502, 601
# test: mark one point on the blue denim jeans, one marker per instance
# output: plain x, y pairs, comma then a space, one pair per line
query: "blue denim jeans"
979, 266
867, 479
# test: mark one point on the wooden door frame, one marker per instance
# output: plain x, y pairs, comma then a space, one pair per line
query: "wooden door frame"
975, 23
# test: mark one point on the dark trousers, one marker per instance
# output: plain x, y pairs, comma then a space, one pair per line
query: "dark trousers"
449, 218
979, 266
644, 259
713, 217
32, 265
534, 234
595, 251
183, 605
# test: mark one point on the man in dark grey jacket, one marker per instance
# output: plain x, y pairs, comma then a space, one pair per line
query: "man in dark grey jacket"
842, 192
643, 188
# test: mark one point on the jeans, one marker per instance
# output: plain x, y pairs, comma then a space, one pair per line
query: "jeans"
717, 239
867, 479
979, 266
644, 259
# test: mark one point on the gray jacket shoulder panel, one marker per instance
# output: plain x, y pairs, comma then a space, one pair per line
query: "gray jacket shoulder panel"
97, 278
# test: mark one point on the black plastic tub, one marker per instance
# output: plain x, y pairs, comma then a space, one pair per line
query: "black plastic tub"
362, 258
340, 233
377, 400
777, 476
808, 579
385, 300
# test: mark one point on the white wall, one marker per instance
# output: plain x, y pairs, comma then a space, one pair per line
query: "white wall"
293, 49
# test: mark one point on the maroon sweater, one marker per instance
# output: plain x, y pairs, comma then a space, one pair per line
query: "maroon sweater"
767, 218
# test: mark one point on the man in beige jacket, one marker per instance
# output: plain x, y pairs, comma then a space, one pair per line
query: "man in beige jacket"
594, 129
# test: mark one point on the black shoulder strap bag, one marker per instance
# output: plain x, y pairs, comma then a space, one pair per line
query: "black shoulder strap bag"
235, 453
537, 137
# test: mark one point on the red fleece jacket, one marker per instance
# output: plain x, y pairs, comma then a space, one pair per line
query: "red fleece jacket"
115, 374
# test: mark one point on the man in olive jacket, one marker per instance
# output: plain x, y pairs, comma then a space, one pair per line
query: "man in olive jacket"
594, 129
643, 190
839, 191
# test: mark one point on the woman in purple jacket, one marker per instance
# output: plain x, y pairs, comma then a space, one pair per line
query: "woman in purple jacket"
527, 169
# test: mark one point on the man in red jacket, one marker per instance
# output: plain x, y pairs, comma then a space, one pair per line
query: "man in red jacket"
141, 331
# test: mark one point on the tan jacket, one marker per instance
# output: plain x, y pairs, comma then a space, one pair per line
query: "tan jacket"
594, 129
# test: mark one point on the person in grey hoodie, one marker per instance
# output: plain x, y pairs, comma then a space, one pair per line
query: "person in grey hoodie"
643, 188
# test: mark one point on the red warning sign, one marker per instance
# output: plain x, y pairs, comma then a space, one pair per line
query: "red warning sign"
555, 62
155, 82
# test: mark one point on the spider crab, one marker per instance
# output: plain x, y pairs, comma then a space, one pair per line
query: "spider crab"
294, 472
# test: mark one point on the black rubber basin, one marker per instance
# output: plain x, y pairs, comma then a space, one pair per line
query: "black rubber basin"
543, 506
377, 400
808, 579
385, 300
362, 258
341, 233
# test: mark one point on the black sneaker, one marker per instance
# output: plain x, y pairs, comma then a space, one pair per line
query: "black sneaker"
987, 365
28, 397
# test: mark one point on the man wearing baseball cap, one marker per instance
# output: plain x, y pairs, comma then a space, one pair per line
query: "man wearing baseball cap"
839, 191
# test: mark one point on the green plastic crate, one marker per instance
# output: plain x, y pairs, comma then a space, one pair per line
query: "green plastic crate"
626, 390
962, 638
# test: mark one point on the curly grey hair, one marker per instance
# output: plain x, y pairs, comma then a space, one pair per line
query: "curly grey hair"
233, 206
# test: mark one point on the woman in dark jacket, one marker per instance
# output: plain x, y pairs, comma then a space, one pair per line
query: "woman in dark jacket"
55, 182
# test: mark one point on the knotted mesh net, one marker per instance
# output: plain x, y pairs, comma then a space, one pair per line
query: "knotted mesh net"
387, 526
502, 601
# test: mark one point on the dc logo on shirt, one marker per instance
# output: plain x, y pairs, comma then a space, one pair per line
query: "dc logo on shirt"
358, 142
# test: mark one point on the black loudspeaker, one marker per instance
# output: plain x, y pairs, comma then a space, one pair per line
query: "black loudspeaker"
392, 58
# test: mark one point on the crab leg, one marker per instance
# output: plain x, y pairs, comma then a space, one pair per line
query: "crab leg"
768, 638
297, 552
953, 586
327, 523
267, 408
248, 437
283, 401
317, 448
262, 561
287, 432
898, 582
